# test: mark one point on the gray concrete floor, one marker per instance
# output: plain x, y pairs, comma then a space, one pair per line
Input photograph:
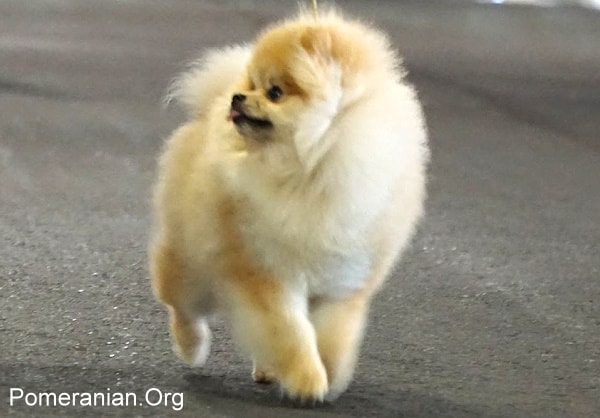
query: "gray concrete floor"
493, 312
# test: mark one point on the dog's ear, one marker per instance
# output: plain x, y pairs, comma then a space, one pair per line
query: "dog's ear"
314, 66
317, 42
320, 74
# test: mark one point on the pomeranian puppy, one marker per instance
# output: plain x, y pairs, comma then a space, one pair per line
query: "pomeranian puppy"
286, 198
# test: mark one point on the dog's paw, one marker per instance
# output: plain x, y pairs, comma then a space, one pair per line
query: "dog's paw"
306, 383
263, 376
194, 351
195, 356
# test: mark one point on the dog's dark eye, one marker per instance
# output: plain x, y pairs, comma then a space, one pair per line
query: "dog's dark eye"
275, 93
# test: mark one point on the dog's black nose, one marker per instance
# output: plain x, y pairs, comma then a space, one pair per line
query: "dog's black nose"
237, 99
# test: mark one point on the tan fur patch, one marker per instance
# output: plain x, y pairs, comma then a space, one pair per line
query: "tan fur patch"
166, 275
242, 271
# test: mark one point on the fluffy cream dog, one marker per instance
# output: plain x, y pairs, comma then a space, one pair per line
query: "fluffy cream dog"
286, 198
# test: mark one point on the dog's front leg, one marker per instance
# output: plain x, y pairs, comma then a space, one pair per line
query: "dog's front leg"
271, 322
339, 324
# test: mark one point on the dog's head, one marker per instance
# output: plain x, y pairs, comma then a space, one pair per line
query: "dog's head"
301, 76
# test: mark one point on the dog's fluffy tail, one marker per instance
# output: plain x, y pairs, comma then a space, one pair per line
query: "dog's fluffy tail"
207, 78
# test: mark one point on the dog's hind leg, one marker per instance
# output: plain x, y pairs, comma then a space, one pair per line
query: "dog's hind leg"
188, 323
262, 373
191, 337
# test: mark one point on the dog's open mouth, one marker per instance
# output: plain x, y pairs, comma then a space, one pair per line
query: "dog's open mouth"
239, 117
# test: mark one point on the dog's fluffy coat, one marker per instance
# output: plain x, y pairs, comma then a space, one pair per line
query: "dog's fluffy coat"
284, 208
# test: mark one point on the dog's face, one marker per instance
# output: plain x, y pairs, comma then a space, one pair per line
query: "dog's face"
267, 104
291, 92
270, 100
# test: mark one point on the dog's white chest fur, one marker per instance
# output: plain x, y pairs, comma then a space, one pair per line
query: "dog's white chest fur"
309, 262
321, 251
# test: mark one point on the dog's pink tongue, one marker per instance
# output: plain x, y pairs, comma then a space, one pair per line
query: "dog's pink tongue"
233, 114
